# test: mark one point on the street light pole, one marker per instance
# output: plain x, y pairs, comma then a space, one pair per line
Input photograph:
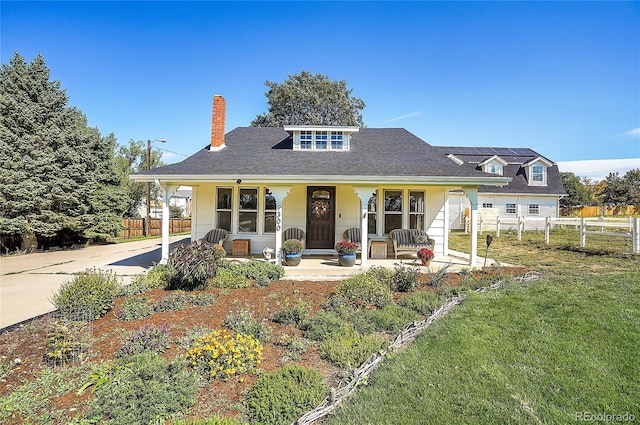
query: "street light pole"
147, 222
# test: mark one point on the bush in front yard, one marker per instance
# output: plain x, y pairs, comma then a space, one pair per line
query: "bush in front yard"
281, 396
364, 290
194, 264
90, 294
260, 272
292, 315
134, 308
222, 354
148, 338
350, 349
147, 390
423, 303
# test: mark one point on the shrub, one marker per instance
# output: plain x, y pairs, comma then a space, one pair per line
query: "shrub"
349, 349
194, 264
423, 303
203, 299
67, 342
281, 396
405, 278
213, 420
364, 290
260, 272
392, 318
292, 315
225, 278
322, 325
90, 293
148, 389
221, 354
159, 276
150, 338
243, 322
134, 308
382, 274
172, 302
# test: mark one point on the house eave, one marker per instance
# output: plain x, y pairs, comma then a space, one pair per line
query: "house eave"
315, 179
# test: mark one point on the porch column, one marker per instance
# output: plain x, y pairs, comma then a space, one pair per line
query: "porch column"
364, 193
167, 193
472, 194
279, 193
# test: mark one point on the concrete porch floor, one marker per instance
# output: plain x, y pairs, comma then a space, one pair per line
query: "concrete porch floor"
326, 267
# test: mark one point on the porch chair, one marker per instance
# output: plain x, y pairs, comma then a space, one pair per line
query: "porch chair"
293, 233
216, 236
354, 235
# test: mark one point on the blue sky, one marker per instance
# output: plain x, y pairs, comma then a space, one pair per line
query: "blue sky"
562, 78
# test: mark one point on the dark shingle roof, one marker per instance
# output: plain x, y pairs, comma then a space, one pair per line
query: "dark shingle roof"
515, 157
268, 151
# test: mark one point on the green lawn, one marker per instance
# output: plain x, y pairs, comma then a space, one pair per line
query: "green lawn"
539, 352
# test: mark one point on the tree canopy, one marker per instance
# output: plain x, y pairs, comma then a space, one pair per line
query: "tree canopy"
577, 192
56, 172
308, 99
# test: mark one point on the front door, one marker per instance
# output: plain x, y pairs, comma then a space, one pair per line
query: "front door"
321, 218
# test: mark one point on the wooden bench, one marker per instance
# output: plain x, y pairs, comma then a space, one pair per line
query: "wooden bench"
404, 241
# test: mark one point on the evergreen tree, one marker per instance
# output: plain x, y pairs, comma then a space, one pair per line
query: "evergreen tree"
307, 99
56, 173
577, 193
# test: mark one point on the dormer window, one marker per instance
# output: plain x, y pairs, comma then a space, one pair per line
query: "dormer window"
537, 171
321, 138
493, 165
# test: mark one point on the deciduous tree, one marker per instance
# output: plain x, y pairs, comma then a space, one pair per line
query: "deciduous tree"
577, 193
308, 99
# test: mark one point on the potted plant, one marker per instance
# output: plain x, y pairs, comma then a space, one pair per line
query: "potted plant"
346, 253
425, 255
292, 250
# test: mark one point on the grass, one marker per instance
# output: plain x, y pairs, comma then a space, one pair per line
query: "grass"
540, 352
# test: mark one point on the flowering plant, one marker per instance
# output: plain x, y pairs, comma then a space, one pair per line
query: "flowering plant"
425, 254
346, 247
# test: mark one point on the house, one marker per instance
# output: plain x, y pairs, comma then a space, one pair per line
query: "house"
256, 182
534, 191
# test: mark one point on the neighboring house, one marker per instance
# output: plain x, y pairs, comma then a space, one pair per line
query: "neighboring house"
534, 191
182, 198
256, 182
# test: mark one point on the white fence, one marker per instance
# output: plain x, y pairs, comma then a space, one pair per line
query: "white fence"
624, 227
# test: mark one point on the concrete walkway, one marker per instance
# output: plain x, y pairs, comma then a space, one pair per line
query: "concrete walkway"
27, 282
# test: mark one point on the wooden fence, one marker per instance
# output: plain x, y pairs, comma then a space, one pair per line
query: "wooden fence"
598, 211
134, 227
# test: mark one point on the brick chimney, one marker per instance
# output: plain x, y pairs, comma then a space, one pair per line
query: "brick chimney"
217, 123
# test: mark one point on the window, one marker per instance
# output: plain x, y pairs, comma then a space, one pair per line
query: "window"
537, 174
337, 140
372, 215
494, 168
534, 209
269, 212
487, 205
305, 140
392, 210
321, 140
416, 210
223, 208
248, 211
510, 208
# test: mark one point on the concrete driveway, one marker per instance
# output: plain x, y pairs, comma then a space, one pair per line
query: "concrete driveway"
28, 281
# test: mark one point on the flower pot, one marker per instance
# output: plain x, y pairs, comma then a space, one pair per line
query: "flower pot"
347, 260
426, 262
292, 259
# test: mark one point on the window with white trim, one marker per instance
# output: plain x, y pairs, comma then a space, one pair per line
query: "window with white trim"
306, 141
510, 208
269, 212
416, 209
392, 210
321, 141
538, 175
534, 209
224, 205
248, 211
494, 168
337, 141
487, 205
372, 214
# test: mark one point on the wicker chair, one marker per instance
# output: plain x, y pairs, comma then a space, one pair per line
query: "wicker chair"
216, 236
404, 241
354, 235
